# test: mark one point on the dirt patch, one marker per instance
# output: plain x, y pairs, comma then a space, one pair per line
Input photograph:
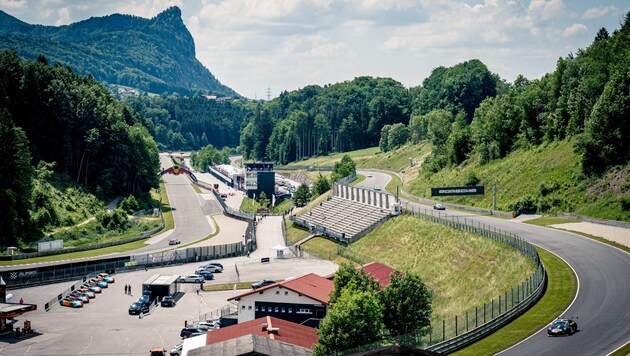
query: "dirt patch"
619, 235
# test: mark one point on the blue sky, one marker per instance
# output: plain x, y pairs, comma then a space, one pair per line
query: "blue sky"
250, 45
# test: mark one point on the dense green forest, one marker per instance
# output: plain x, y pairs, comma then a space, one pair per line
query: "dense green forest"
54, 121
317, 120
156, 55
184, 123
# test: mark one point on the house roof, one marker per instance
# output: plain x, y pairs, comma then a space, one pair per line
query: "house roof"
276, 329
311, 285
380, 272
250, 345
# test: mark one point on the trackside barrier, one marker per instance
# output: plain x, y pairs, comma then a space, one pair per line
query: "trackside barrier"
449, 335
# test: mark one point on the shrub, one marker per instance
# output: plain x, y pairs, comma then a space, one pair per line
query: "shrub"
130, 204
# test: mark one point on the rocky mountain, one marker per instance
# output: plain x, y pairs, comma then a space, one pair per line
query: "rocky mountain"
155, 55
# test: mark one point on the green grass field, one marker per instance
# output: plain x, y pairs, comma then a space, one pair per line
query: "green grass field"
462, 269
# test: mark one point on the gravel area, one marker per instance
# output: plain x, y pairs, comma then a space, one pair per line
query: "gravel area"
619, 235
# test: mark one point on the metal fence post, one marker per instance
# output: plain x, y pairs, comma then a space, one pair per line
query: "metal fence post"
455, 325
476, 317
443, 329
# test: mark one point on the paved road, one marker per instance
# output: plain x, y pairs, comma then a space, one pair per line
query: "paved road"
602, 304
191, 223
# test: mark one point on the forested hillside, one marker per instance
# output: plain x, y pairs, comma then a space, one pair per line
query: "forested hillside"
156, 55
184, 123
51, 118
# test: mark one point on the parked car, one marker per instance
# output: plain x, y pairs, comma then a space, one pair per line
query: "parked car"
99, 282
369, 176
168, 301
212, 267
188, 331
93, 287
193, 278
377, 188
158, 351
209, 325
71, 302
562, 326
80, 296
212, 264
174, 242
177, 349
264, 282
107, 278
205, 274
439, 206
137, 308
87, 292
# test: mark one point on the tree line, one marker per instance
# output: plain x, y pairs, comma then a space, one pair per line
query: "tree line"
189, 123
53, 119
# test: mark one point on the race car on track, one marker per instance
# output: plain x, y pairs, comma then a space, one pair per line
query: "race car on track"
562, 326
71, 302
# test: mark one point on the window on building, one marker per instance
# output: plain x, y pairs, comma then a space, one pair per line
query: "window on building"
286, 293
276, 310
243, 307
277, 292
303, 311
284, 310
249, 307
256, 308
263, 309
290, 310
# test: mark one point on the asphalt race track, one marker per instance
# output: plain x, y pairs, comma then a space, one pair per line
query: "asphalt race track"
602, 304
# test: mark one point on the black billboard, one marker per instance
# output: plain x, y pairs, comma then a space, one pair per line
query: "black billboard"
441, 192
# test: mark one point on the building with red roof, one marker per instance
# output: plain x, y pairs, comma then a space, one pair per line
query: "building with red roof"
378, 271
299, 300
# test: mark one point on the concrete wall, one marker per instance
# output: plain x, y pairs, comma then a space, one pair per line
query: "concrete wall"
365, 196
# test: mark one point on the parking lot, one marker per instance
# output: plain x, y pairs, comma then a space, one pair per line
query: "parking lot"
104, 327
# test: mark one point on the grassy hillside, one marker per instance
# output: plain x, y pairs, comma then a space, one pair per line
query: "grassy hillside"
547, 177
462, 269
373, 158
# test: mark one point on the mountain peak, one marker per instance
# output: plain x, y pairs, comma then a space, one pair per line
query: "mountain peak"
172, 14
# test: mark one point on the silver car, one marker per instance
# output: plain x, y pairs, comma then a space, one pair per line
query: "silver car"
193, 278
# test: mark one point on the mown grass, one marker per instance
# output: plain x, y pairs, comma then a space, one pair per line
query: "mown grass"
229, 286
372, 157
462, 269
624, 351
561, 289
169, 222
251, 206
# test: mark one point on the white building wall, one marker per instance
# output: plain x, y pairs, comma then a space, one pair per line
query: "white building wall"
246, 306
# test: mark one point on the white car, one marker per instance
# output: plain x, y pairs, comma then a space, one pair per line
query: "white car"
193, 278
369, 176
210, 268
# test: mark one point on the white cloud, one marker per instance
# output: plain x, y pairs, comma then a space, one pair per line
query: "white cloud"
595, 12
13, 4
574, 30
545, 9
63, 16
